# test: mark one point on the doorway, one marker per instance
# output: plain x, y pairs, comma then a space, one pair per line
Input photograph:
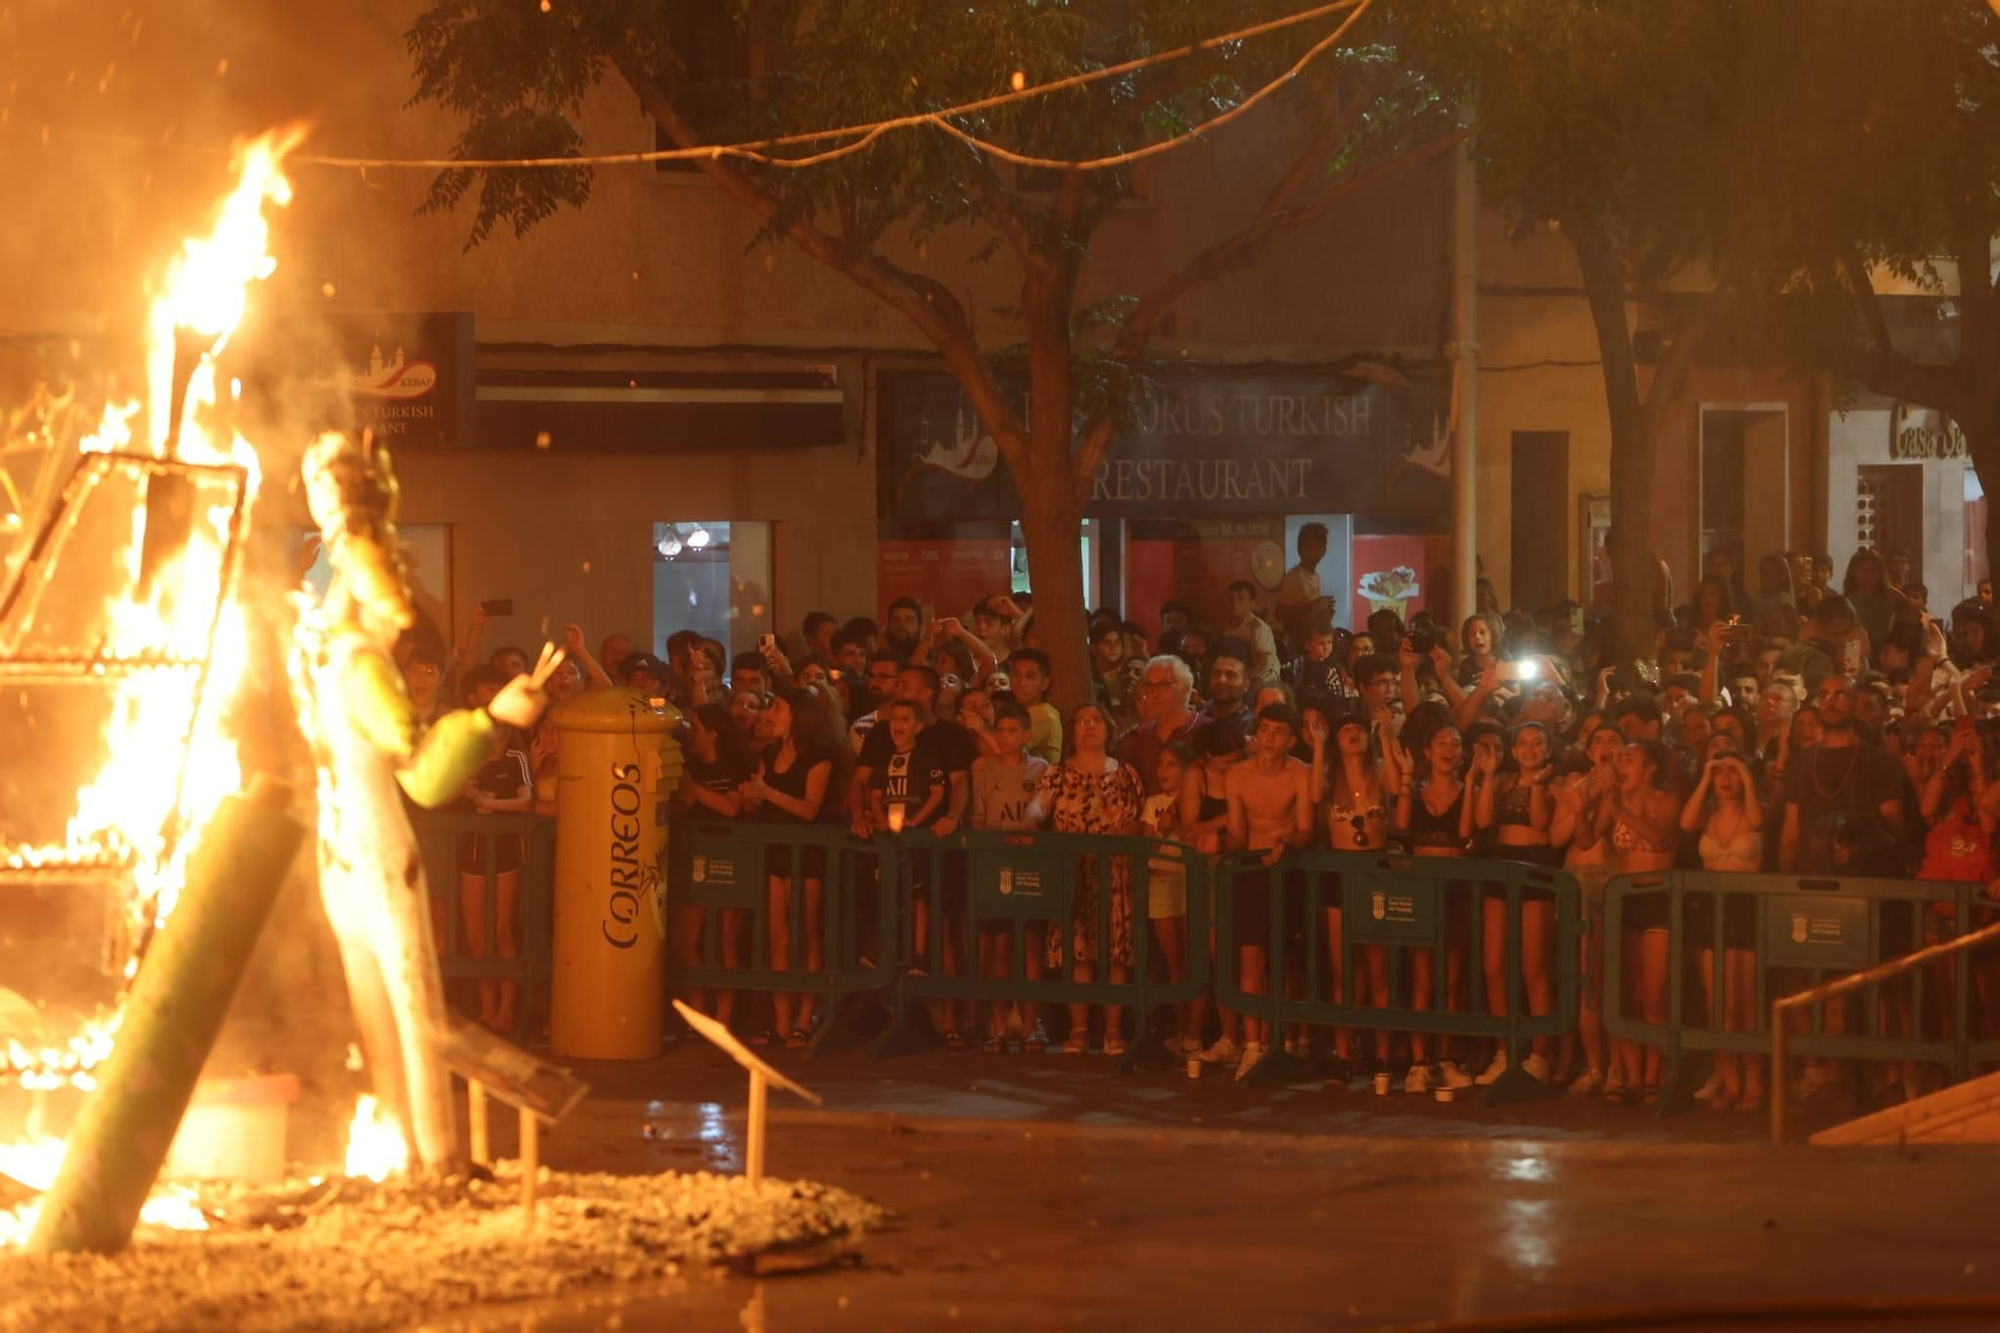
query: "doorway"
1540, 483
1745, 484
1889, 511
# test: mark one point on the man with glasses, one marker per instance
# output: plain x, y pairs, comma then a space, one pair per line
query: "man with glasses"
1164, 717
880, 684
1379, 680
1843, 775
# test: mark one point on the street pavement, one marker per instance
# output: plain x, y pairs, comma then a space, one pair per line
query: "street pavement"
1049, 1193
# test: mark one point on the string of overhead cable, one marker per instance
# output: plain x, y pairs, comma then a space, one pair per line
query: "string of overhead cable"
1153, 149
862, 135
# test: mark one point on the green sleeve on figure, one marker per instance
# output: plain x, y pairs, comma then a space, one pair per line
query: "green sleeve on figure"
451, 752
432, 766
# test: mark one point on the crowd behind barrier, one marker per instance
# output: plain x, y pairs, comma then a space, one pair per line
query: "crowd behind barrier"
1781, 934
1807, 728
491, 879
1342, 932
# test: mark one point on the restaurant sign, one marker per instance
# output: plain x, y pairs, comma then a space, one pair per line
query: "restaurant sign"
409, 378
1923, 435
1207, 443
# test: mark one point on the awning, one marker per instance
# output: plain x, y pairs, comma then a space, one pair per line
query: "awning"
610, 411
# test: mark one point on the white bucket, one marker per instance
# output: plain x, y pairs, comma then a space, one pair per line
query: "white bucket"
234, 1130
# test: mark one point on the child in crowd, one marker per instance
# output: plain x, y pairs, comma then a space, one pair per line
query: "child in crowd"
1028, 669
1004, 787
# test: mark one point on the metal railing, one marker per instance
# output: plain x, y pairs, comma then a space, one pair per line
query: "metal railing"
1023, 885
1406, 905
1800, 928
451, 843
723, 869
1846, 985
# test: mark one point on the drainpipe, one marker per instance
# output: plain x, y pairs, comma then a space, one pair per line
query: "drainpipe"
1463, 351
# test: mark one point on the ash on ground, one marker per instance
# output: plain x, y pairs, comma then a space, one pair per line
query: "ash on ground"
353, 1254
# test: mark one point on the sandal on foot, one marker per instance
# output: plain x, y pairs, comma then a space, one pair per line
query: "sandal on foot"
798, 1040
954, 1041
1114, 1045
1036, 1041
994, 1045
1651, 1095
1750, 1101
763, 1037
1078, 1044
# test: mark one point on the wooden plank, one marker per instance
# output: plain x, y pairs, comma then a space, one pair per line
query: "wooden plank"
1941, 1115
740, 1053
510, 1073
475, 1096
531, 1166
753, 1156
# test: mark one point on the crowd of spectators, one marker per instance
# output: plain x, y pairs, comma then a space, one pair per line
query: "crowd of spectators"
1797, 727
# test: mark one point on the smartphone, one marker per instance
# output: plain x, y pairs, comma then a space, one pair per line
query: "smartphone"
766, 642
1526, 668
499, 606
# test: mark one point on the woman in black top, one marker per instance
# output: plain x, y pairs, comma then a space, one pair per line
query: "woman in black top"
1434, 817
502, 786
791, 786
716, 763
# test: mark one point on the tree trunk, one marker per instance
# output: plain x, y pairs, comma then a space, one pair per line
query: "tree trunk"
1982, 444
1632, 561
1052, 524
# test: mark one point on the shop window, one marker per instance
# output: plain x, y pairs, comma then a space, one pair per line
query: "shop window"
712, 576
1019, 562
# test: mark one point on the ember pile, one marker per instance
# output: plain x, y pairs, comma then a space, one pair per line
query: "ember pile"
351, 1253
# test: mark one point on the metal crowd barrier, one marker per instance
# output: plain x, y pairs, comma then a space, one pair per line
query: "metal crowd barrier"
441, 838
1026, 884
722, 868
1804, 929
1404, 903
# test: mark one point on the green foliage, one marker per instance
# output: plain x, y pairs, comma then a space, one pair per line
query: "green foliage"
1590, 110
735, 71
1873, 135
518, 76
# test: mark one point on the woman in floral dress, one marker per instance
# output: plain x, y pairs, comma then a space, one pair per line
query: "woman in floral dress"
1091, 792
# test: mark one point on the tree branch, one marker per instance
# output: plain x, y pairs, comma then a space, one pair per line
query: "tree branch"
1237, 250
924, 301
1671, 375
1863, 291
1894, 375
997, 206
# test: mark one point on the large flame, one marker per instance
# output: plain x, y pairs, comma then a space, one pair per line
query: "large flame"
34, 1163
166, 763
376, 1148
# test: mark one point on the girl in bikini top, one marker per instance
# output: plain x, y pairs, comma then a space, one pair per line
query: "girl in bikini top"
1626, 839
1744, 850
1513, 806
1436, 830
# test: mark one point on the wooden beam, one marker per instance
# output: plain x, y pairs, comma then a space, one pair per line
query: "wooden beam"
169, 1023
475, 1106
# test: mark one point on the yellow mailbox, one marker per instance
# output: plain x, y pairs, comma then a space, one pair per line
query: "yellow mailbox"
618, 764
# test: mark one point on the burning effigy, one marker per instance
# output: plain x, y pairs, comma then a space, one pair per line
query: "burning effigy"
136, 892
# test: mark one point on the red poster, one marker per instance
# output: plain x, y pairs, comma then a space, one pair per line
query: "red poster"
950, 575
1404, 574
